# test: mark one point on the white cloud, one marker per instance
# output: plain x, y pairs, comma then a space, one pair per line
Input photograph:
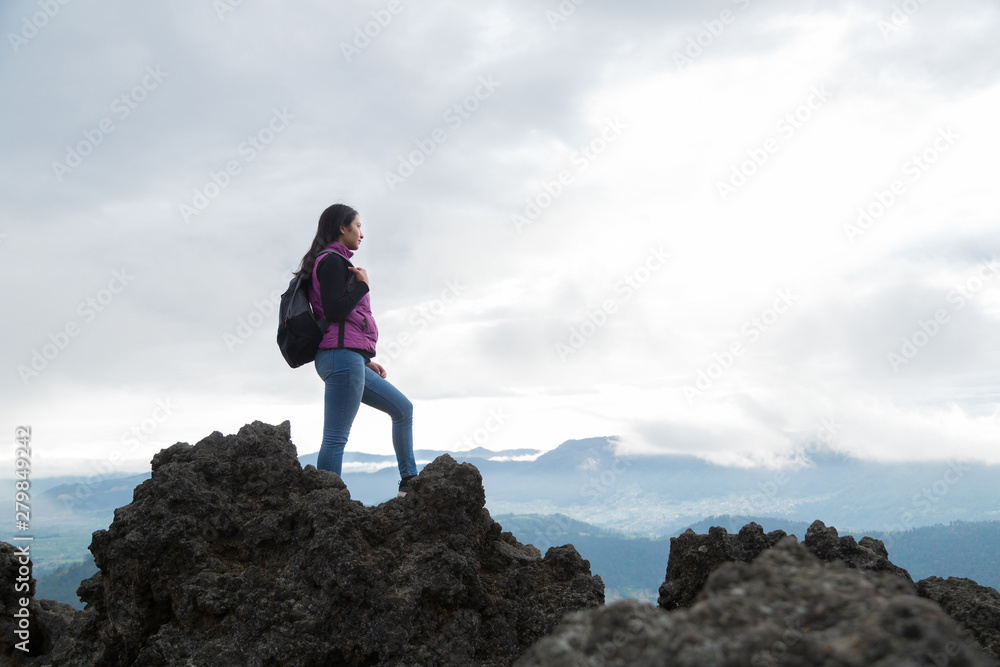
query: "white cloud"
656, 185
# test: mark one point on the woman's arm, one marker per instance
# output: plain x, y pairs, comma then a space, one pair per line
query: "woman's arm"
333, 275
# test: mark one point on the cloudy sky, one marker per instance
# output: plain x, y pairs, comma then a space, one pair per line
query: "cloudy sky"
731, 228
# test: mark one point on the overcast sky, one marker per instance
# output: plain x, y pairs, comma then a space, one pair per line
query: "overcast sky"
731, 228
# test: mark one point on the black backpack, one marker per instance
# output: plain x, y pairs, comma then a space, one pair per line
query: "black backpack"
299, 330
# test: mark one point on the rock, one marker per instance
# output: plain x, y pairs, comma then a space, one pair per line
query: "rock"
786, 607
976, 608
870, 554
694, 557
47, 621
232, 554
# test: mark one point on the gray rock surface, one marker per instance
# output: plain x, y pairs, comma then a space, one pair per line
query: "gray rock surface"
694, 557
869, 554
975, 607
232, 554
787, 607
47, 620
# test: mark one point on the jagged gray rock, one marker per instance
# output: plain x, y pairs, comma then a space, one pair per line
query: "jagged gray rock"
869, 554
976, 608
786, 607
232, 554
47, 620
694, 557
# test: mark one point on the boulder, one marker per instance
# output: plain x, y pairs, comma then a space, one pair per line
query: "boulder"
232, 554
694, 557
786, 607
976, 608
869, 554
30, 630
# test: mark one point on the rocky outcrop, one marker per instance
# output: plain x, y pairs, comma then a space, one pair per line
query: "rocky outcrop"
232, 554
869, 554
786, 607
694, 557
32, 629
975, 607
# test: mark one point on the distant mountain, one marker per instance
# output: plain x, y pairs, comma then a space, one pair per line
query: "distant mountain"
61, 585
631, 567
427, 455
634, 567
106, 494
588, 480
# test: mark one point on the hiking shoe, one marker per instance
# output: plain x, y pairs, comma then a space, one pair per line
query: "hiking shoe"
404, 486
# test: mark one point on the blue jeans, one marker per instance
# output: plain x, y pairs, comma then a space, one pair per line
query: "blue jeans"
349, 383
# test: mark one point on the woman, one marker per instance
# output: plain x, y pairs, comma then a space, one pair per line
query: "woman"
339, 294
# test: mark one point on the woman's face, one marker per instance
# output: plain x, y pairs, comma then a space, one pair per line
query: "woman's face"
351, 236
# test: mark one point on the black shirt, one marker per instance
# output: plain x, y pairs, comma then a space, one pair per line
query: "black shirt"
333, 276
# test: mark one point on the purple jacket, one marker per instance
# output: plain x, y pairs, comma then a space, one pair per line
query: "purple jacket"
360, 331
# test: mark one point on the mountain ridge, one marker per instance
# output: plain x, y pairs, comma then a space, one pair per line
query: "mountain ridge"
588, 479
232, 553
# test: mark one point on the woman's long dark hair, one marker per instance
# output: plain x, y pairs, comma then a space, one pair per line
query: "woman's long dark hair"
327, 232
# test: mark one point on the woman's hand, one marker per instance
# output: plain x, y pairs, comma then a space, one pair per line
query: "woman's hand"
360, 274
376, 367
